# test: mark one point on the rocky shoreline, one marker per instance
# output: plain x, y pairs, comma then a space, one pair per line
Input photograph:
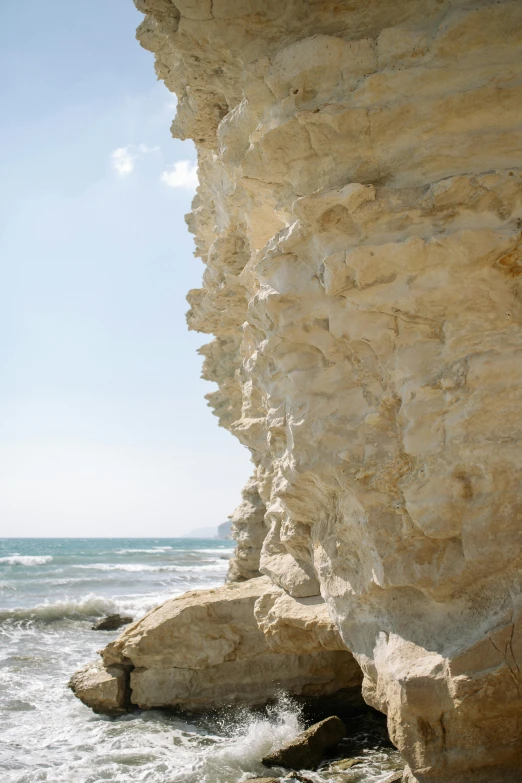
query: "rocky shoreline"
207, 650
359, 214
240, 645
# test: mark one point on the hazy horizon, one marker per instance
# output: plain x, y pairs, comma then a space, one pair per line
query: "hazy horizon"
104, 428
114, 538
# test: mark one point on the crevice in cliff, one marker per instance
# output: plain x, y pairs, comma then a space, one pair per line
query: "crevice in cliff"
126, 698
514, 672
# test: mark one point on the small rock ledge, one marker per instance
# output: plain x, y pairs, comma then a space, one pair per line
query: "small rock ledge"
106, 690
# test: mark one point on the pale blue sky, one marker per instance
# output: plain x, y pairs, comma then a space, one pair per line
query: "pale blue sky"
104, 429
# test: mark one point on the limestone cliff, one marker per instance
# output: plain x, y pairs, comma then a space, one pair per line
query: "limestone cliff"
249, 531
360, 217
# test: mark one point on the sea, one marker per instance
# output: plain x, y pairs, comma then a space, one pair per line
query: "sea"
51, 592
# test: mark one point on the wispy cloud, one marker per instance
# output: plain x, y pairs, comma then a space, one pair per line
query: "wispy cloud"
122, 161
182, 174
124, 158
145, 149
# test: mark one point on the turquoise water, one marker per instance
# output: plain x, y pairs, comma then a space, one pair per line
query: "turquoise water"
54, 579
51, 591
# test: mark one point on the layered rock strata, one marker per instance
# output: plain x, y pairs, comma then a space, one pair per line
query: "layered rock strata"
203, 651
295, 625
248, 530
104, 689
360, 217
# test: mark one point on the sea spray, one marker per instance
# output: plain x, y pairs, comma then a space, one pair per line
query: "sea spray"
237, 740
48, 736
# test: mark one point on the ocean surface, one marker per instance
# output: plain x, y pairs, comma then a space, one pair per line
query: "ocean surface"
51, 591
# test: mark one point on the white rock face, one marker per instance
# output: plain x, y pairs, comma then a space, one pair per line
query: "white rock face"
360, 217
203, 651
247, 682
297, 625
103, 689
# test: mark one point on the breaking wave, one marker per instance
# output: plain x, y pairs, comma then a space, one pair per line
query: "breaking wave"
137, 567
247, 738
45, 622
154, 551
26, 560
89, 607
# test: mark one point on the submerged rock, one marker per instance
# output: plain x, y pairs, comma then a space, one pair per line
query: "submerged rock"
307, 750
112, 622
103, 689
343, 764
396, 777
204, 650
263, 780
296, 776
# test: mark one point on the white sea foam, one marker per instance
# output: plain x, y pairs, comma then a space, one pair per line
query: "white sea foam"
154, 551
134, 567
138, 605
250, 737
50, 736
218, 565
220, 551
88, 607
26, 560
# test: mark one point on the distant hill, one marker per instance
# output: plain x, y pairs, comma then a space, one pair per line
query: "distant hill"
225, 530
203, 532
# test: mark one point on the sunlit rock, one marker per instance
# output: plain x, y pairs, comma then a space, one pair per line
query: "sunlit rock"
204, 651
103, 689
248, 530
360, 217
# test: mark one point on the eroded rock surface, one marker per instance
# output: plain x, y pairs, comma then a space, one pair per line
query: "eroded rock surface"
296, 625
204, 651
248, 530
397, 777
103, 689
360, 217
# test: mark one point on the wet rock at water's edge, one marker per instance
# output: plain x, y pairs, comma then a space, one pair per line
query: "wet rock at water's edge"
397, 777
307, 750
104, 690
291, 779
112, 622
263, 780
343, 764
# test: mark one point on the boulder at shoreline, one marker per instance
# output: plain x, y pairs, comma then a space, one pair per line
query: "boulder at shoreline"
112, 622
204, 650
306, 751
